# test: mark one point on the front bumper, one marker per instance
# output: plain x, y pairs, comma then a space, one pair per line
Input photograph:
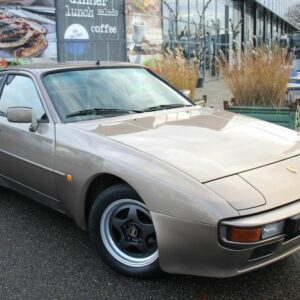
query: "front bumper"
196, 248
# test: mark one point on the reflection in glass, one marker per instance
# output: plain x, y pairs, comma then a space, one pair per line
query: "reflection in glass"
206, 27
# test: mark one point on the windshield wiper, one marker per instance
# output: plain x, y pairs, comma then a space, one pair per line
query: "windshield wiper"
165, 106
99, 111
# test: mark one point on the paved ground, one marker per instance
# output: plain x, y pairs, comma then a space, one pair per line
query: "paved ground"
43, 255
217, 91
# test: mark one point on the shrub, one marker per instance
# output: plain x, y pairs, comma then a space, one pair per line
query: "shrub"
258, 77
7, 63
175, 69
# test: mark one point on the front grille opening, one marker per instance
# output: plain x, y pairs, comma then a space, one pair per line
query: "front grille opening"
292, 227
291, 236
264, 251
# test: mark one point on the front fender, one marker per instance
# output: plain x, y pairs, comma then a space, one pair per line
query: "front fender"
163, 188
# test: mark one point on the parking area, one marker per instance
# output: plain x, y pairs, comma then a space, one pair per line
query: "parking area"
43, 255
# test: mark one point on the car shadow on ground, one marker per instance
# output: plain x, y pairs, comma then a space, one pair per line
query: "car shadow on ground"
45, 256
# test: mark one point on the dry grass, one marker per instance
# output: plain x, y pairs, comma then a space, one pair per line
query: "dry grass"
176, 70
259, 77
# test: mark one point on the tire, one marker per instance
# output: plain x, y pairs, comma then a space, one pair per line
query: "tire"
123, 234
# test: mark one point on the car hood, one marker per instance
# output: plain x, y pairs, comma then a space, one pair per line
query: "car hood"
204, 143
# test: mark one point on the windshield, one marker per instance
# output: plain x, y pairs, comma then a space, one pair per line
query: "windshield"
89, 94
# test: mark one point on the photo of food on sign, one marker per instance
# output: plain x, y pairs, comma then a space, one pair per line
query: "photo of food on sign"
144, 30
27, 29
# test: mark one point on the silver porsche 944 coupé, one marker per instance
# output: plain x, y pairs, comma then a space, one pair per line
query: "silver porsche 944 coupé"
161, 184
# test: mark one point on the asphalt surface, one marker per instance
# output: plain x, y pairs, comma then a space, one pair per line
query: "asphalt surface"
43, 255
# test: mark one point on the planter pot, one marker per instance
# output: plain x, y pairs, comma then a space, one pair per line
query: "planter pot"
287, 116
200, 83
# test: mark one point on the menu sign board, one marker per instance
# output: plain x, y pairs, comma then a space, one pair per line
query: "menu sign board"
91, 30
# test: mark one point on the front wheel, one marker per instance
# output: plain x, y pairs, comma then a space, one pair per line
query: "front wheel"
122, 232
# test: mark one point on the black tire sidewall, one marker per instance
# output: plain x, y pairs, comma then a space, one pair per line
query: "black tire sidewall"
107, 197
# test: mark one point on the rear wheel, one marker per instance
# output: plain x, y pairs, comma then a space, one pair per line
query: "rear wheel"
122, 232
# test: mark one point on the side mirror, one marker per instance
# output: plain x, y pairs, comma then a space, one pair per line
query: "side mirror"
23, 115
186, 93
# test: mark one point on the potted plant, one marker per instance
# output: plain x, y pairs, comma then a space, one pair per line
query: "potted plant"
3, 63
258, 79
7, 63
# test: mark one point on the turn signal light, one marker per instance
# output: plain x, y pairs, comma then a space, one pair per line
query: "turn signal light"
245, 235
69, 178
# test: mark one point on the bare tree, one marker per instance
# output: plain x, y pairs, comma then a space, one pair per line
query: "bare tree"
235, 28
201, 14
200, 27
175, 15
200, 31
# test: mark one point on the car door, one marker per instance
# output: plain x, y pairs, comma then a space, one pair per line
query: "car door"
26, 158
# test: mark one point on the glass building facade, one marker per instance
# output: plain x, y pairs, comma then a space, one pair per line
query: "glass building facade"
223, 25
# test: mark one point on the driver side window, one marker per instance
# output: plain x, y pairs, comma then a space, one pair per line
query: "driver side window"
20, 91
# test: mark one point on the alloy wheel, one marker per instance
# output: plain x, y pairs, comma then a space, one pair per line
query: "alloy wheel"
128, 233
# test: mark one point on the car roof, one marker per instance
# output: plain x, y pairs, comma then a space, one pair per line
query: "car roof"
40, 68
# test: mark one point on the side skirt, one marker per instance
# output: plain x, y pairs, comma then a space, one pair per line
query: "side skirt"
32, 194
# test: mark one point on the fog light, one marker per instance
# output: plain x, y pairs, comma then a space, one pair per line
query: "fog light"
271, 230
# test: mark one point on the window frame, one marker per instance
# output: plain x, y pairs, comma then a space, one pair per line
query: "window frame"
15, 73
